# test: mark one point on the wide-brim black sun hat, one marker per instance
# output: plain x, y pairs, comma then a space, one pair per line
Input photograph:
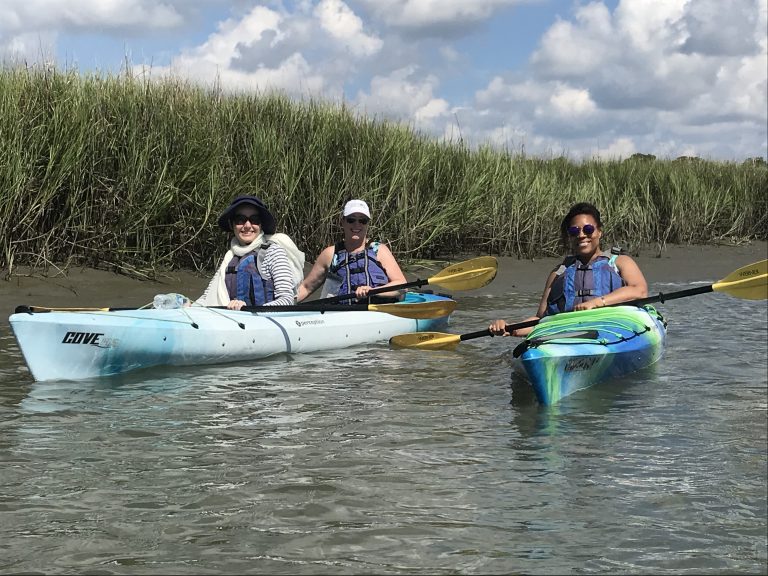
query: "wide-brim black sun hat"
268, 224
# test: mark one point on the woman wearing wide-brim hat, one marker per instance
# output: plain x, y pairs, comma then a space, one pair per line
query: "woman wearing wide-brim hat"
261, 267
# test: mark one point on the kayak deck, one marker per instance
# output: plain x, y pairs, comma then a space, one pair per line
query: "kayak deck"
575, 350
61, 345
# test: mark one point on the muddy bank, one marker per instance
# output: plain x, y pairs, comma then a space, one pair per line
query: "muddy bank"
88, 287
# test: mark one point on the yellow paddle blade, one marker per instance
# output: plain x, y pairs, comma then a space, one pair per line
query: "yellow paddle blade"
749, 282
467, 275
417, 310
426, 340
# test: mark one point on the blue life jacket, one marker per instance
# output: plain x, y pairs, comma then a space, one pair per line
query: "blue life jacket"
348, 271
576, 282
244, 282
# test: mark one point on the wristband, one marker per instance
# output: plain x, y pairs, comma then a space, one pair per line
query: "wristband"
603, 301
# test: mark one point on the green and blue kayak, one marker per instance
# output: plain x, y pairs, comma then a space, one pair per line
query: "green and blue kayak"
571, 351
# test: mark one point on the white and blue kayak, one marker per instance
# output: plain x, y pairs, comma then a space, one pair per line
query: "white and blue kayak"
74, 345
571, 351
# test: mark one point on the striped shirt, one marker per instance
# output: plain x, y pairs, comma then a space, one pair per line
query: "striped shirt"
279, 270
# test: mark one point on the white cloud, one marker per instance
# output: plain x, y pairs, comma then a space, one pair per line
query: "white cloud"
215, 60
650, 26
403, 95
312, 51
619, 148
29, 29
435, 108
225, 45
655, 76
718, 27
24, 16
29, 47
342, 24
652, 59
439, 17
572, 103
498, 90
576, 49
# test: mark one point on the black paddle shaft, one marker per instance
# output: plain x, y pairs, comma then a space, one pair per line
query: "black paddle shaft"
487, 331
24, 309
289, 308
372, 291
661, 297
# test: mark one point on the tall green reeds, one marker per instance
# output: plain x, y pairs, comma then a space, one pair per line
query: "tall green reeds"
114, 172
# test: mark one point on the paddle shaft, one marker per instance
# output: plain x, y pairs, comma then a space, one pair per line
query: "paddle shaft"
468, 275
660, 297
415, 311
749, 282
508, 328
289, 308
301, 308
372, 291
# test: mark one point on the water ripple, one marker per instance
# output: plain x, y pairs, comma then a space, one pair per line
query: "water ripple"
379, 461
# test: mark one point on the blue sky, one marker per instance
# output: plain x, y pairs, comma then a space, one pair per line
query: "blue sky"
582, 79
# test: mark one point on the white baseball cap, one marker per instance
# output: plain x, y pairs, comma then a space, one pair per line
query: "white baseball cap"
356, 206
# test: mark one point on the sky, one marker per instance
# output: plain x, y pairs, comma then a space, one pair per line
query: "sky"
601, 79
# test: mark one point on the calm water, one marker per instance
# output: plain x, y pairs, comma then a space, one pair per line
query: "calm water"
379, 461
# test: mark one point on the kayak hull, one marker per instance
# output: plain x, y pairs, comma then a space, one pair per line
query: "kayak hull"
79, 345
572, 351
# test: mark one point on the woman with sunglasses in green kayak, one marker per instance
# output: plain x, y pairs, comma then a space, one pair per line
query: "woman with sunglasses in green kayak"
588, 278
354, 265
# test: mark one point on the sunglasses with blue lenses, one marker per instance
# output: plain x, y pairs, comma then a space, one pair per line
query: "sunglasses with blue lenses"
587, 228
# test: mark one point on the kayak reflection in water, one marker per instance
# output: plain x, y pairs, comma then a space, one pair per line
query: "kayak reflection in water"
588, 278
354, 264
261, 267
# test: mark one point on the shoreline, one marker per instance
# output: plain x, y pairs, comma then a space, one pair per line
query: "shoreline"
676, 264
83, 287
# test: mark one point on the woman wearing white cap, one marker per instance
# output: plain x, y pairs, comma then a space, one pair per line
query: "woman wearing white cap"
353, 265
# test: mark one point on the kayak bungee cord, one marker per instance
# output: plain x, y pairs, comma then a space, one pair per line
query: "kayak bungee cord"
221, 314
102, 312
192, 322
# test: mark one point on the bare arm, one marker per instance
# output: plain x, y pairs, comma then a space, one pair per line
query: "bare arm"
545, 295
498, 327
317, 275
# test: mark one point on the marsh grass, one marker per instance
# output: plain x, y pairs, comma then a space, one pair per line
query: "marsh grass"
117, 173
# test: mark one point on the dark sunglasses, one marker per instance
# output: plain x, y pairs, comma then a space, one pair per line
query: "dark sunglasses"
241, 219
588, 230
363, 221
